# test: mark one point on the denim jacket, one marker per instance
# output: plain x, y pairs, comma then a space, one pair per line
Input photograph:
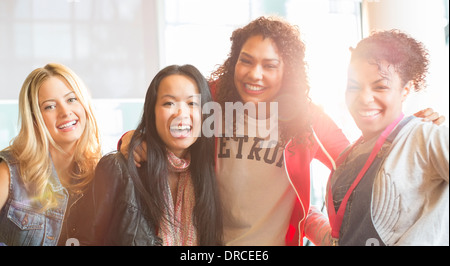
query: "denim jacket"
21, 222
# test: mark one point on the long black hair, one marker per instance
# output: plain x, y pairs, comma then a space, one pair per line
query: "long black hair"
151, 179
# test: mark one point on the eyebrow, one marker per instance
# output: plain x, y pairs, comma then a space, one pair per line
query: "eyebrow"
379, 80
265, 59
375, 82
53, 100
173, 97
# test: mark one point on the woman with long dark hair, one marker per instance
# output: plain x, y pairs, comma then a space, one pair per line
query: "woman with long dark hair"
172, 198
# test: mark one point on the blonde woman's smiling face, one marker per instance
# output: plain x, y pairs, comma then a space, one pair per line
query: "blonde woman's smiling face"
64, 116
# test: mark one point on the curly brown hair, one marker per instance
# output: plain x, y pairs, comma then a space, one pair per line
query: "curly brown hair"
408, 56
293, 98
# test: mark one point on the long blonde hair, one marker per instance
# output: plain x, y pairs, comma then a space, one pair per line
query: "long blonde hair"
31, 145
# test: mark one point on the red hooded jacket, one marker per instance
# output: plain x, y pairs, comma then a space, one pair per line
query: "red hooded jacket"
329, 142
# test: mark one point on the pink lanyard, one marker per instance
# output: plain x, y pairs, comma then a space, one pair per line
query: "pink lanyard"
336, 219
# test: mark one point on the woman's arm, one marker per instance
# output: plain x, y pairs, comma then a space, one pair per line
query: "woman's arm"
140, 153
4, 183
438, 147
330, 138
317, 227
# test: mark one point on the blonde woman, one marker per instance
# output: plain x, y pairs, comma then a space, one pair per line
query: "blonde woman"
46, 170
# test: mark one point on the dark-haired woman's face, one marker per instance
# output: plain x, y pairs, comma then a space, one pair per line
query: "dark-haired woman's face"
259, 70
374, 99
178, 113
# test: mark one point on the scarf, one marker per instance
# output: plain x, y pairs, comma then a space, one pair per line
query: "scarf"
180, 231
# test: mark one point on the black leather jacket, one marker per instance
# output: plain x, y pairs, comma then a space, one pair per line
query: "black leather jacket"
118, 218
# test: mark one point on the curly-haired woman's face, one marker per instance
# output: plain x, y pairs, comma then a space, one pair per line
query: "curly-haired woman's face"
374, 99
259, 70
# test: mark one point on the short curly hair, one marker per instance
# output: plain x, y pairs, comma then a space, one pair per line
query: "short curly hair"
295, 83
408, 56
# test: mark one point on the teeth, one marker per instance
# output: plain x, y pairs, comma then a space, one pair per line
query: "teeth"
253, 88
71, 123
180, 127
368, 113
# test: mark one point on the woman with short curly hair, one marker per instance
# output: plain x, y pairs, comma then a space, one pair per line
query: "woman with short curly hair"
391, 186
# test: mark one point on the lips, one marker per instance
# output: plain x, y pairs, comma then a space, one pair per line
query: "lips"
254, 89
369, 113
68, 125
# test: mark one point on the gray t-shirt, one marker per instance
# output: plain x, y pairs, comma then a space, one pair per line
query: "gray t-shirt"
257, 196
